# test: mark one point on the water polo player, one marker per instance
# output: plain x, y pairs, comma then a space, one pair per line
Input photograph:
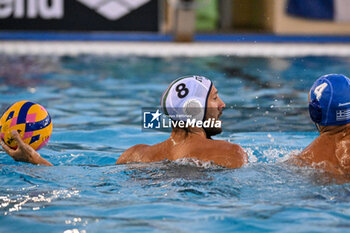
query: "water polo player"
194, 102
191, 99
329, 108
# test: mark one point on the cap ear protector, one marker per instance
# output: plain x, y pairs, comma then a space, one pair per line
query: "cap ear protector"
194, 108
315, 111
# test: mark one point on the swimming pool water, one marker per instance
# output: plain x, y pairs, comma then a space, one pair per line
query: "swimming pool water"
95, 103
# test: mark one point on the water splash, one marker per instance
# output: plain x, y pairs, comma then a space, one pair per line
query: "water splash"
196, 163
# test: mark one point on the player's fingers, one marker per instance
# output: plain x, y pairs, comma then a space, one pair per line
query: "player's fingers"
18, 138
7, 149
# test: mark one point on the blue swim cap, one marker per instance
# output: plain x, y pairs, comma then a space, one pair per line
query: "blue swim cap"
186, 98
330, 100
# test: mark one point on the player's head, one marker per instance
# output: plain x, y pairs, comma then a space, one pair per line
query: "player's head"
193, 98
329, 100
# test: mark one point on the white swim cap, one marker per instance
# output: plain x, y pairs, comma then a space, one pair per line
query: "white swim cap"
186, 98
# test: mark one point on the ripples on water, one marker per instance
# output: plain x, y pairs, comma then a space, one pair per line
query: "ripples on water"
95, 103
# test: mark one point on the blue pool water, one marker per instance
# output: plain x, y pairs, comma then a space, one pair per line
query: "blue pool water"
95, 103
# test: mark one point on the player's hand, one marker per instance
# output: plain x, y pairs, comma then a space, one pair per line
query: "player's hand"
24, 152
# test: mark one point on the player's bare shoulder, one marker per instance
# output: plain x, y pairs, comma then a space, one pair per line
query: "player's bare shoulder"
229, 148
133, 154
225, 153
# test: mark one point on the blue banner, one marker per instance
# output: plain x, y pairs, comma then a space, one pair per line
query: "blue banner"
311, 9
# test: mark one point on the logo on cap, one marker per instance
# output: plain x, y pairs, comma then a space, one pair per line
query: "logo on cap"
343, 115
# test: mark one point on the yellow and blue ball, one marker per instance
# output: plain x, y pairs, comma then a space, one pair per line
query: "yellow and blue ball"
32, 122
